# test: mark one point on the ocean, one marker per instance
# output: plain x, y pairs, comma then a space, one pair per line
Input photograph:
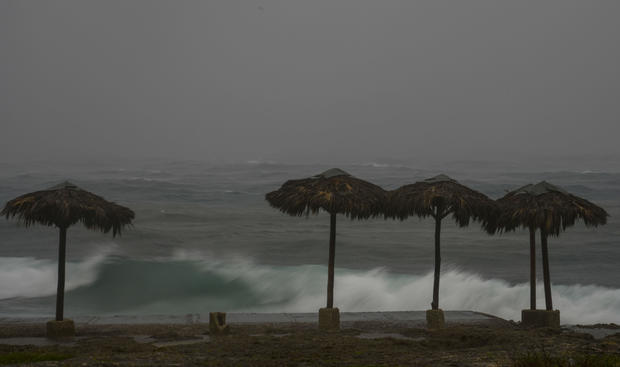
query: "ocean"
205, 239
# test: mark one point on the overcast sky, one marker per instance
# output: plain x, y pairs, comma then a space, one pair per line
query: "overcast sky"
309, 80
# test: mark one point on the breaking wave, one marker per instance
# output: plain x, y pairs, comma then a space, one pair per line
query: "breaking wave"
30, 277
191, 283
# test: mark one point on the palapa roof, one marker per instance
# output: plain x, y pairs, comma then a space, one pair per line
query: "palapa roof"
334, 191
546, 206
66, 204
423, 198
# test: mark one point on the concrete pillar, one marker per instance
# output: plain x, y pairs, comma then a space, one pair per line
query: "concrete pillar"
540, 318
435, 319
329, 319
60, 329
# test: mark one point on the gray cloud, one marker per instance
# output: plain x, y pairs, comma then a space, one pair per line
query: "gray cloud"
309, 81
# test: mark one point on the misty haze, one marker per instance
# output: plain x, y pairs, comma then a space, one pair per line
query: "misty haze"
407, 129
309, 82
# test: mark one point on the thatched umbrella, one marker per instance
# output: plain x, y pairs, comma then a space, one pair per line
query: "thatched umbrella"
336, 192
548, 208
62, 206
438, 197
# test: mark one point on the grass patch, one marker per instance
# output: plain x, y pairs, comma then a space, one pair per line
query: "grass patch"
545, 359
29, 357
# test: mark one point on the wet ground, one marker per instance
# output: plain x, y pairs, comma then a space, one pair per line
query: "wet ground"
400, 317
369, 338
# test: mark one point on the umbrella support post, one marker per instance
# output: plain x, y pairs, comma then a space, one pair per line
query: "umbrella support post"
540, 318
435, 319
329, 319
332, 259
546, 276
60, 329
532, 268
60, 290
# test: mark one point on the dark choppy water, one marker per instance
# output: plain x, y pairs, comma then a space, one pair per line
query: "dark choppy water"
205, 239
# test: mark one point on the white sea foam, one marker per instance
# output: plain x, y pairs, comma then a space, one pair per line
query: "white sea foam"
303, 289
380, 165
30, 277
260, 161
297, 288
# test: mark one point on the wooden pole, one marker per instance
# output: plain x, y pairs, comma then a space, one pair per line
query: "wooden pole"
60, 291
332, 256
532, 268
435, 303
547, 278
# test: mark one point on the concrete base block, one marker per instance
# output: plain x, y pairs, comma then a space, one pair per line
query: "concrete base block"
435, 319
60, 329
217, 323
329, 319
540, 318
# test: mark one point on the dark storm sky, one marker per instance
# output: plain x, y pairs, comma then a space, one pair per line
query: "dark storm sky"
309, 80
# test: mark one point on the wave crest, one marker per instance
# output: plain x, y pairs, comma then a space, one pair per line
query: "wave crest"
30, 277
194, 283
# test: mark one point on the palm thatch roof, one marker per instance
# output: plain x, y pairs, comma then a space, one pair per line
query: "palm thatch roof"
334, 191
423, 199
66, 204
547, 207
